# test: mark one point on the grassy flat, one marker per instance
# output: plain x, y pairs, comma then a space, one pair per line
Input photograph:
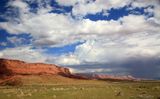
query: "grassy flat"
57, 87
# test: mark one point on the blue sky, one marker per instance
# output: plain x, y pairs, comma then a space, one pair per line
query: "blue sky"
97, 36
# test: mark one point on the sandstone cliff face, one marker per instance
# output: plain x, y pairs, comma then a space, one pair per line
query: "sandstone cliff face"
16, 67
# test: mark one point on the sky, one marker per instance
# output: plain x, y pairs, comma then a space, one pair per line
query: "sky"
117, 37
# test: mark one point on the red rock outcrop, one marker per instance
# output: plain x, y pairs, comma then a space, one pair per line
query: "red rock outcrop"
16, 67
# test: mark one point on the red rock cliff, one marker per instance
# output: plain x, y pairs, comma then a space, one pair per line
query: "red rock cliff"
14, 67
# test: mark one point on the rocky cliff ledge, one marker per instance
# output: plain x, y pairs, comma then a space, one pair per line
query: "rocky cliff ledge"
16, 67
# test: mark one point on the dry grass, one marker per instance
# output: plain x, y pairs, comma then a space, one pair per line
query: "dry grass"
58, 87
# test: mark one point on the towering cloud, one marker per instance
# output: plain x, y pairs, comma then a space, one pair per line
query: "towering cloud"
112, 43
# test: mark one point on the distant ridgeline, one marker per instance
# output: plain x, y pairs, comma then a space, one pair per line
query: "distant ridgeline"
10, 67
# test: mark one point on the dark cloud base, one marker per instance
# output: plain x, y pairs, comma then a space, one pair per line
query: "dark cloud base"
142, 68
